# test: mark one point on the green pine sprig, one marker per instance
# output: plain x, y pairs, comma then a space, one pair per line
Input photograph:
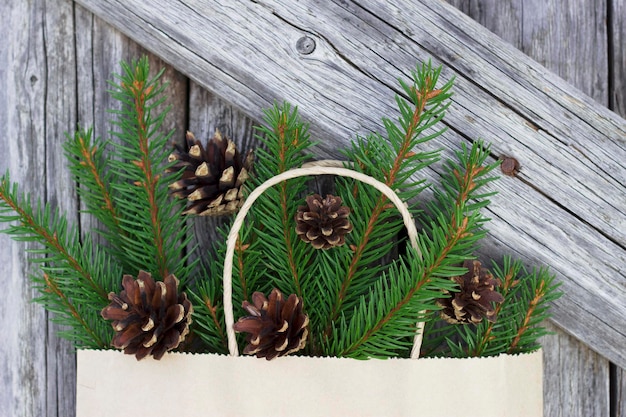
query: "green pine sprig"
394, 161
75, 277
152, 233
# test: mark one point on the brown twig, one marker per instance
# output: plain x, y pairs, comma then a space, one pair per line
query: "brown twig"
90, 164
539, 294
213, 312
140, 93
284, 198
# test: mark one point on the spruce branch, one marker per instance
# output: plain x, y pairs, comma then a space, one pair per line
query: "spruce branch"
508, 280
44, 227
94, 340
88, 165
208, 311
427, 106
154, 234
287, 142
453, 237
519, 317
76, 278
533, 305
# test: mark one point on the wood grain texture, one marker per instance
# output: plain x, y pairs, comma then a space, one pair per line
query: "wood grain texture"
60, 117
44, 93
619, 400
23, 78
570, 367
617, 37
569, 196
576, 380
570, 38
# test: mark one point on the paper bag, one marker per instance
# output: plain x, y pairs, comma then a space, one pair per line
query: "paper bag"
110, 383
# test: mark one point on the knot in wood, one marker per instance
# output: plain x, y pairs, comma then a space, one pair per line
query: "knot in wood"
305, 45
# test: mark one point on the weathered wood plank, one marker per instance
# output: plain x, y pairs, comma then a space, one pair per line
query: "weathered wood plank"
617, 52
23, 78
43, 86
60, 117
572, 184
570, 367
620, 394
504, 18
576, 379
569, 37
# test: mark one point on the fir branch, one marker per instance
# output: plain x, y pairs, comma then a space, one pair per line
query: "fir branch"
414, 120
508, 282
519, 316
53, 288
76, 277
455, 231
38, 226
287, 142
155, 233
140, 91
88, 164
212, 331
286, 138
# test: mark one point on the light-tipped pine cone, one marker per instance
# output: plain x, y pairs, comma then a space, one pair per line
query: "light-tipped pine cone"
149, 317
323, 222
213, 176
475, 298
275, 327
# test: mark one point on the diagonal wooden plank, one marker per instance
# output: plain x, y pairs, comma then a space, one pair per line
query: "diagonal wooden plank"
566, 208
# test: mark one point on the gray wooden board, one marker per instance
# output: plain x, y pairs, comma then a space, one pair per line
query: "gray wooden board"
570, 367
23, 354
565, 209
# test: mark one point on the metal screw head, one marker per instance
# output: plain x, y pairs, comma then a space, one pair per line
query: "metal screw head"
305, 45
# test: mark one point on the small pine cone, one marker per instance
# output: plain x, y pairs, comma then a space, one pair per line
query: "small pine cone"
149, 317
475, 297
212, 177
323, 222
276, 327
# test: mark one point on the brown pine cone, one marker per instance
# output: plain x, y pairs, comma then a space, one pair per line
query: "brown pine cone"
149, 317
475, 298
213, 176
323, 222
276, 327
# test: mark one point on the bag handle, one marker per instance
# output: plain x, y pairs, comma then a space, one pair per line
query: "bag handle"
316, 168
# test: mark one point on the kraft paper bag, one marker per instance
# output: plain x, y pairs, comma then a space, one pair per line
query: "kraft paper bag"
110, 383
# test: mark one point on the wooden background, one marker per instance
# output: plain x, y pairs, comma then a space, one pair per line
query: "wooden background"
55, 58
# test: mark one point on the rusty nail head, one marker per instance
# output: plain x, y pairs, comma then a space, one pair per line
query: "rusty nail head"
305, 45
509, 166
